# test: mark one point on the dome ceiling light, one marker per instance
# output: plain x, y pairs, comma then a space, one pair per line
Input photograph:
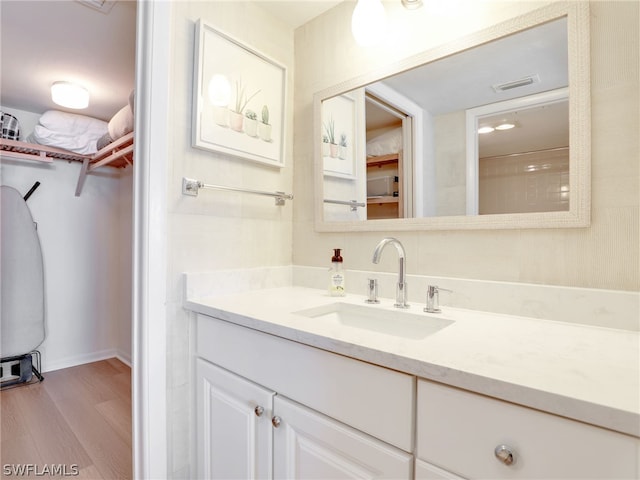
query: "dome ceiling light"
70, 95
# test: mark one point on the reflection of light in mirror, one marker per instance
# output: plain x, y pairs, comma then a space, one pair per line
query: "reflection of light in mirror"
368, 22
486, 129
538, 167
505, 126
219, 90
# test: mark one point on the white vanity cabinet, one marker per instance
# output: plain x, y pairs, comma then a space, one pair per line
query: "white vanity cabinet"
267, 405
325, 415
459, 431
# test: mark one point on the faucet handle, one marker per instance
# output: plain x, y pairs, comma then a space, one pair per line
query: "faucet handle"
433, 298
372, 288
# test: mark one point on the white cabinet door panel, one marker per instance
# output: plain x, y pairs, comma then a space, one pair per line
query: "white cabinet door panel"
309, 445
426, 471
233, 441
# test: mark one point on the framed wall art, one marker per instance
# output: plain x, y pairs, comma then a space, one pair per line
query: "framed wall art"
339, 136
239, 99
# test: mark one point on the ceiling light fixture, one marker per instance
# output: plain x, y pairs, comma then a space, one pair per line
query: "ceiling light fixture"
486, 129
505, 126
369, 22
69, 95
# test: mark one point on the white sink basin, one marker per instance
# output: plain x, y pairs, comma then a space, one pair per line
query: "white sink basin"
396, 323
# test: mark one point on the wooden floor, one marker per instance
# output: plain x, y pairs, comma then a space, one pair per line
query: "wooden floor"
77, 416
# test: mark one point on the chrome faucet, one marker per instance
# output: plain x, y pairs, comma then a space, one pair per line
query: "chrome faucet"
401, 288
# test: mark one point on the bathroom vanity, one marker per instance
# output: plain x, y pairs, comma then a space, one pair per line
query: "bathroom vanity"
292, 383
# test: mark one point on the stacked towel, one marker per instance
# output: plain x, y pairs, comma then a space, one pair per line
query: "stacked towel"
386, 143
69, 131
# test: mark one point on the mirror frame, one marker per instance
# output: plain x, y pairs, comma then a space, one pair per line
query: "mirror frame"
579, 213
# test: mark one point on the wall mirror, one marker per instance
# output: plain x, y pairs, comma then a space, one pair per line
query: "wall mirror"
492, 131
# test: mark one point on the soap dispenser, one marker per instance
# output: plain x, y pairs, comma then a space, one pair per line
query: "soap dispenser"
336, 275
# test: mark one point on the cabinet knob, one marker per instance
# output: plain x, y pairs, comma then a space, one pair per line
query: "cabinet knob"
505, 454
258, 410
276, 421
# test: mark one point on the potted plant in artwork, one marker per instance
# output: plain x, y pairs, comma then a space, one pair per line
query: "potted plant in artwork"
325, 146
342, 150
331, 135
235, 114
264, 128
251, 123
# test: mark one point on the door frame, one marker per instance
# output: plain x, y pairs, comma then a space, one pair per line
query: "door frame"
149, 316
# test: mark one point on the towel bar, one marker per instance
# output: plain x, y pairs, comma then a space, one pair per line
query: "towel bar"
191, 187
352, 203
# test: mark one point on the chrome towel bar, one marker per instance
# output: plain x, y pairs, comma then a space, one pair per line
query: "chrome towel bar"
191, 187
352, 203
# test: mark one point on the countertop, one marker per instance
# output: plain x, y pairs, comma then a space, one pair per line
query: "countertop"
590, 374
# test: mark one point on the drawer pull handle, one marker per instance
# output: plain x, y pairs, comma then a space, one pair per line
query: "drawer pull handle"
276, 421
258, 411
504, 454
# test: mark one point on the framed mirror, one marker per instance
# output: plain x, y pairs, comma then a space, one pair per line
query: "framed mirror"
491, 131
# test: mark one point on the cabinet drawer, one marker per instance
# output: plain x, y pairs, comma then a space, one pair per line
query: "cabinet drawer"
372, 399
458, 431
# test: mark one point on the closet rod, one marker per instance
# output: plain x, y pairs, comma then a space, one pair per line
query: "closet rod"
191, 187
352, 203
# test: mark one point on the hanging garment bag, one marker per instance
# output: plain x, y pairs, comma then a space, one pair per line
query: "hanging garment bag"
22, 277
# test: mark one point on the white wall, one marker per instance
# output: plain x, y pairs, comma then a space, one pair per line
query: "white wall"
605, 255
216, 230
86, 246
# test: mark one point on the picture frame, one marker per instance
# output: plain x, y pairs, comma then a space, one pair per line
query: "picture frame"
339, 136
239, 99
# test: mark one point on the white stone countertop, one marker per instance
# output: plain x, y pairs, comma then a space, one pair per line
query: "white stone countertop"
587, 373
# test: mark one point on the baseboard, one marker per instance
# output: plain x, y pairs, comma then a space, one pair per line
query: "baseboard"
124, 358
75, 360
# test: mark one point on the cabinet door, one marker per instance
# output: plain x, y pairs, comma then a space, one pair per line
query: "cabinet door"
426, 471
233, 418
310, 445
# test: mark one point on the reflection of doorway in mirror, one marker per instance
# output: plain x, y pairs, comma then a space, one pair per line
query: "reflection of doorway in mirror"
385, 138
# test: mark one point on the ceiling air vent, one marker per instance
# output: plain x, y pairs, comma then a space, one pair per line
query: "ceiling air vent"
522, 82
102, 5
